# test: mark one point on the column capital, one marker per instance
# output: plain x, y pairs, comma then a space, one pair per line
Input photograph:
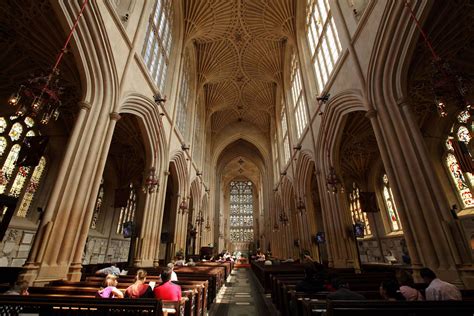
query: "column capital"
371, 113
114, 116
85, 105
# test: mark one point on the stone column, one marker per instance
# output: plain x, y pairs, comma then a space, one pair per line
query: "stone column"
31, 266
424, 210
76, 265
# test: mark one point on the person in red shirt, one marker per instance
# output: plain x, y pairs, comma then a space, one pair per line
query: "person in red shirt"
167, 290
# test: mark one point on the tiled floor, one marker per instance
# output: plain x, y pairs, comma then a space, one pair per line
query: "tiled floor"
240, 296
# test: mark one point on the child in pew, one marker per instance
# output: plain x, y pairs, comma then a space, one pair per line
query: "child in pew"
139, 289
110, 290
167, 290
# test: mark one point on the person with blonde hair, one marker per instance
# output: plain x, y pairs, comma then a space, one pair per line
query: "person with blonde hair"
139, 289
110, 290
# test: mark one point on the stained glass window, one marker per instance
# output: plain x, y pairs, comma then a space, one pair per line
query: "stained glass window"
156, 49
459, 180
463, 181
390, 205
299, 103
32, 188
241, 211
127, 213
16, 131
98, 205
323, 40
356, 211
21, 182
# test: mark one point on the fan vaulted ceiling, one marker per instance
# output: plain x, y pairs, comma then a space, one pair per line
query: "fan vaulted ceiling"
240, 46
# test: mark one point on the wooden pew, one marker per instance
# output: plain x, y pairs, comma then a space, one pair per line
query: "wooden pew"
393, 308
12, 304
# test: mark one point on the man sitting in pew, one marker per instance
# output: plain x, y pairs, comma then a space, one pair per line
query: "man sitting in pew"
18, 288
437, 289
343, 292
167, 290
315, 278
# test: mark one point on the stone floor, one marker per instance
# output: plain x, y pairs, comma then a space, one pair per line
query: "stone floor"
240, 296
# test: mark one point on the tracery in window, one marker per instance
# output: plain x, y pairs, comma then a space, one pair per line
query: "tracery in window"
460, 137
127, 213
18, 181
323, 40
241, 211
32, 188
158, 40
390, 205
98, 205
183, 100
356, 211
299, 103
284, 132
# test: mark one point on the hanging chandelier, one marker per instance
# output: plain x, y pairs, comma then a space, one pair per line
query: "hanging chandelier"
183, 206
208, 226
284, 218
199, 219
300, 206
152, 183
448, 87
333, 184
40, 96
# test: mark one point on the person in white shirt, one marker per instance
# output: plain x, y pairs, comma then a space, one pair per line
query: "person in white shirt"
438, 290
113, 269
174, 276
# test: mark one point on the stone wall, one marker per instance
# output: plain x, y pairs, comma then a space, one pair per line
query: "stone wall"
370, 251
97, 250
15, 247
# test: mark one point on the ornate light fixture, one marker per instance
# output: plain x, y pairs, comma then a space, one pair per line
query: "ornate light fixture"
333, 184
284, 218
183, 206
152, 183
300, 206
208, 226
40, 96
199, 219
448, 87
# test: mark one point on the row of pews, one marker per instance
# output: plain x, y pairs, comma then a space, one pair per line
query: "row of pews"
280, 281
200, 285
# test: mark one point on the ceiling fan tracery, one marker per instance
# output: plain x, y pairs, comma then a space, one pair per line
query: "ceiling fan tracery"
240, 47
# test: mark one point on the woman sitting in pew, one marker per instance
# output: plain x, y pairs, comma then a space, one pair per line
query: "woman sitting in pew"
110, 290
407, 287
390, 291
315, 279
139, 289
167, 290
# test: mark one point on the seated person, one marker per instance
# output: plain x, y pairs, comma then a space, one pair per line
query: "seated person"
390, 291
167, 290
113, 269
343, 293
179, 261
190, 263
174, 276
110, 290
312, 282
438, 290
139, 289
260, 256
18, 288
407, 287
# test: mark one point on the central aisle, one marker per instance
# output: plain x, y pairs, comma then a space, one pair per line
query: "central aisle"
239, 296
